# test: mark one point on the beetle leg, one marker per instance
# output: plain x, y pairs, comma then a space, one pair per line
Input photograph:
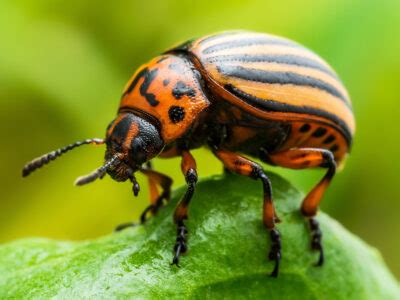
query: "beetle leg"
156, 200
170, 152
301, 158
189, 169
243, 166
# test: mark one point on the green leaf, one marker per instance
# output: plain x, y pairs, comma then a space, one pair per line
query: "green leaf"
227, 256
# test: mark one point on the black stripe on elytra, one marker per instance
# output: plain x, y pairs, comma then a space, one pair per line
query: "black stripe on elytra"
148, 78
135, 81
280, 59
274, 106
278, 78
244, 42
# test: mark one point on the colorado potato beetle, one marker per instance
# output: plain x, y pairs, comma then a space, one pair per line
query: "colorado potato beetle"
239, 93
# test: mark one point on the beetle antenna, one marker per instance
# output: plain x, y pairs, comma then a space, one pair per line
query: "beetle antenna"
98, 173
46, 158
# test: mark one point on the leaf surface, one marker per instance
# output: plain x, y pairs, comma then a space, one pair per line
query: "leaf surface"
227, 255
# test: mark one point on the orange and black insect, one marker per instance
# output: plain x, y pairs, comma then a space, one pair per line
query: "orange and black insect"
238, 93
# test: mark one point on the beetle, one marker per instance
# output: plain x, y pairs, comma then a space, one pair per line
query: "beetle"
239, 93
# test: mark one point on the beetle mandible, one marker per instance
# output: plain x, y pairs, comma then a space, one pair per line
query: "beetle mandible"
239, 93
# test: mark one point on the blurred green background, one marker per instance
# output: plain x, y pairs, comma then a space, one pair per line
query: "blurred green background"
63, 65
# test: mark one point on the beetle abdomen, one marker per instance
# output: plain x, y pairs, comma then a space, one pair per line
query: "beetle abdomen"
274, 75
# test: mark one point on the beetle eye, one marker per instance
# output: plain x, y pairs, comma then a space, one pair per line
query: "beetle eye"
138, 151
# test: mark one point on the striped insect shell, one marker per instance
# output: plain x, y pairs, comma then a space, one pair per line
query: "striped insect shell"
277, 79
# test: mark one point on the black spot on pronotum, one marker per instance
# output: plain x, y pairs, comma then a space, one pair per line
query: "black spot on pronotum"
319, 132
334, 148
148, 79
305, 128
135, 81
176, 114
165, 82
329, 139
182, 89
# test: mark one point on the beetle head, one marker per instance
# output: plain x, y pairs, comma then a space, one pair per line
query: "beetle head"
134, 141
131, 141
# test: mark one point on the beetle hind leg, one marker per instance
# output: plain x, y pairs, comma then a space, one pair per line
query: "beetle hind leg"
243, 166
302, 158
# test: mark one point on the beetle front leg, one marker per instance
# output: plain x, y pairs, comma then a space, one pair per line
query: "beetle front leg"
189, 169
243, 166
156, 200
301, 158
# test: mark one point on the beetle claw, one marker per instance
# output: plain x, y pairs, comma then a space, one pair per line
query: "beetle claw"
275, 252
175, 261
123, 226
316, 241
136, 186
180, 244
136, 189
321, 258
143, 218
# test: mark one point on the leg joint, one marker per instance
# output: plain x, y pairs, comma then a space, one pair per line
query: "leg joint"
191, 176
329, 160
257, 172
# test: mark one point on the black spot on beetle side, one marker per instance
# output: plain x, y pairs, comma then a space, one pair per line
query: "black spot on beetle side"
176, 113
319, 132
334, 148
329, 139
165, 82
182, 89
305, 128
